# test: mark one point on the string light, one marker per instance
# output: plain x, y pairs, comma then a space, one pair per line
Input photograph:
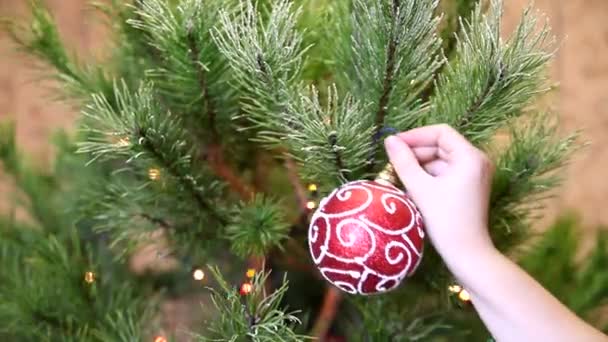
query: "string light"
154, 174
312, 187
89, 277
250, 273
455, 288
246, 289
123, 142
198, 274
464, 296
160, 338
311, 205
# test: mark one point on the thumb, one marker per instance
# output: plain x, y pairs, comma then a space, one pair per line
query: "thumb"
405, 163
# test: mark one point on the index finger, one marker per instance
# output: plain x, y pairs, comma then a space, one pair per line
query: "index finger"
441, 136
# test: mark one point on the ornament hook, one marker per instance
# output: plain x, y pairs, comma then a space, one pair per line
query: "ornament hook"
388, 175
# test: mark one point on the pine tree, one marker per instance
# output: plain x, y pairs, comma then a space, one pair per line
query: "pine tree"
204, 125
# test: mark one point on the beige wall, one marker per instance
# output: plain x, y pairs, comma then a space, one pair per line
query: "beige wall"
581, 67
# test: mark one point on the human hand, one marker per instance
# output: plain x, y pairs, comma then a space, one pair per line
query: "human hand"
449, 180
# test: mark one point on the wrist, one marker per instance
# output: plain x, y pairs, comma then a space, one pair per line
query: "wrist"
462, 256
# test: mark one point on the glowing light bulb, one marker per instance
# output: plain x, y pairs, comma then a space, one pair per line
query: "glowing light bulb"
246, 289
123, 142
454, 288
154, 174
198, 274
160, 338
89, 277
311, 205
250, 273
464, 296
312, 187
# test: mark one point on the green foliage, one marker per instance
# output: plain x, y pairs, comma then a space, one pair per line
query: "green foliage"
490, 81
188, 59
327, 138
524, 177
388, 53
256, 227
30, 181
405, 317
256, 316
582, 286
454, 14
43, 294
266, 58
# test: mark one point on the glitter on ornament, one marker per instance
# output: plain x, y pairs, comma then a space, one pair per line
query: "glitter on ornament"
154, 174
198, 274
250, 273
246, 289
160, 338
455, 288
366, 237
311, 205
464, 295
89, 277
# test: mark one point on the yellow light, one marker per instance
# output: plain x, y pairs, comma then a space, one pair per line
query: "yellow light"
123, 142
312, 187
160, 338
154, 174
250, 273
89, 277
464, 296
454, 288
198, 274
311, 205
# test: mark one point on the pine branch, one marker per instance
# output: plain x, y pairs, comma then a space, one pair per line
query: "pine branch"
217, 163
157, 221
190, 72
326, 140
32, 297
387, 54
490, 81
266, 59
454, 14
256, 227
37, 186
211, 114
136, 131
294, 179
329, 309
256, 317
339, 162
523, 177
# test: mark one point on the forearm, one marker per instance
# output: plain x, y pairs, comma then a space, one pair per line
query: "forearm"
512, 305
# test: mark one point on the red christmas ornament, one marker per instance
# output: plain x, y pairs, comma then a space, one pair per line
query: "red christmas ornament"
366, 237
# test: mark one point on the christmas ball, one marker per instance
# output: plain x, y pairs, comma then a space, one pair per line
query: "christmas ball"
366, 237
